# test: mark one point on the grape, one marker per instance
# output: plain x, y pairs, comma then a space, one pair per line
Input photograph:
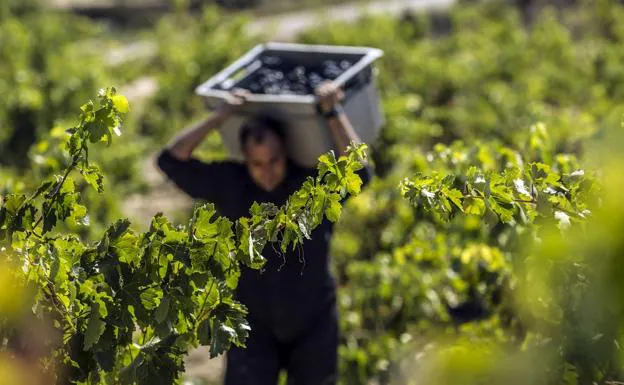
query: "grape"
300, 89
300, 71
345, 65
271, 61
277, 76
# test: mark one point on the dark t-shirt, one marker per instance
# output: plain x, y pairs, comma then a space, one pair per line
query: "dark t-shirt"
292, 287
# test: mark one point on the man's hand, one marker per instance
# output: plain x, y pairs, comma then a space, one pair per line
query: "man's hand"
329, 96
233, 103
182, 146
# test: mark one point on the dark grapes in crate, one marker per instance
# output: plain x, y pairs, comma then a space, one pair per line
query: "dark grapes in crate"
273, 75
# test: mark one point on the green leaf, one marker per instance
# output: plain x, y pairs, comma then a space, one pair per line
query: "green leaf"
69, 248
544, 206
163, 310
223, 335
272, 228
305, 225
129, 374
50, 217
68, 186
204, 229
455, 196
505, 214
117, 229
95, 327
203, 332
328, 159
94, 177
150, 298
290, 234
98, 132
126, 248
43, 187
74, 145
12, 202
121, 104
354, 184
228, 327
334, 208
106, 359
474, 206
250, 248
79, 214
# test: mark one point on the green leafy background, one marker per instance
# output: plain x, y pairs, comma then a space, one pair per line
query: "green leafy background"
485, 250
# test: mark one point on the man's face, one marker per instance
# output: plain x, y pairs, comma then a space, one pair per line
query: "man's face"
266, 161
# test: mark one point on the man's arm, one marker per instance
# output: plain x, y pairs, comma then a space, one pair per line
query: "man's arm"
182, 145
340, 126
194, 177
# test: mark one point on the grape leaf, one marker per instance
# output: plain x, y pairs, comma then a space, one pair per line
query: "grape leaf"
354, 184
95, 327
150, 298
163, 310
121, 104
94, 177
454, 196
203, 332
474, 206
334, 208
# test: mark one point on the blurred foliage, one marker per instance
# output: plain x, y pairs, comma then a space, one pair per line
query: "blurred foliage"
474, 96
569, 296
49, 65
189, 50
50, 61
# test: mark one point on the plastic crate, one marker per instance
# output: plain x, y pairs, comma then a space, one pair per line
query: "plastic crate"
308, 134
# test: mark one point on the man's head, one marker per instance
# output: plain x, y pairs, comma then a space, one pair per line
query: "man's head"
263, 143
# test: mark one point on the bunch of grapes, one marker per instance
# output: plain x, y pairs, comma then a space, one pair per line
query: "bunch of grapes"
277, 76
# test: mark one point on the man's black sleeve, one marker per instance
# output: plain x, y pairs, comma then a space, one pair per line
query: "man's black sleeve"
366, 174
205, 181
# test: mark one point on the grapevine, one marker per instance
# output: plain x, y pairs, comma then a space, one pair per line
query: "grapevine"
130, 306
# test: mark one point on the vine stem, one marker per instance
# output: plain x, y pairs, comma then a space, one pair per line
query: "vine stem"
144, 335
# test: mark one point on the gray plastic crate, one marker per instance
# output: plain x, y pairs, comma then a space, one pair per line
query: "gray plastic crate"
308, 135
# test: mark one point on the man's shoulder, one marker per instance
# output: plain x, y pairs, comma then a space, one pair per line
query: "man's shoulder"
195, 168
301, 172
229, 170
229, 164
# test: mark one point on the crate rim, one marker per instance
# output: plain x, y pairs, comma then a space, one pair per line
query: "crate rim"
370, 55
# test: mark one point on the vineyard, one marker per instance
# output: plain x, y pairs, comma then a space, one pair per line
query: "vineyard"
486, 249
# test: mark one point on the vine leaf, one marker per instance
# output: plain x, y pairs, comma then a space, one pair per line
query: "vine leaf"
121, 104
95, 327
94, 177
334, 208
203, 332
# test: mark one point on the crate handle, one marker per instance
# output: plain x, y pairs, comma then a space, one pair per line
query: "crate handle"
234, 68
240, 74
366, 61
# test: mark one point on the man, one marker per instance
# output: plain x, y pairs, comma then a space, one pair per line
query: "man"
292, 301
